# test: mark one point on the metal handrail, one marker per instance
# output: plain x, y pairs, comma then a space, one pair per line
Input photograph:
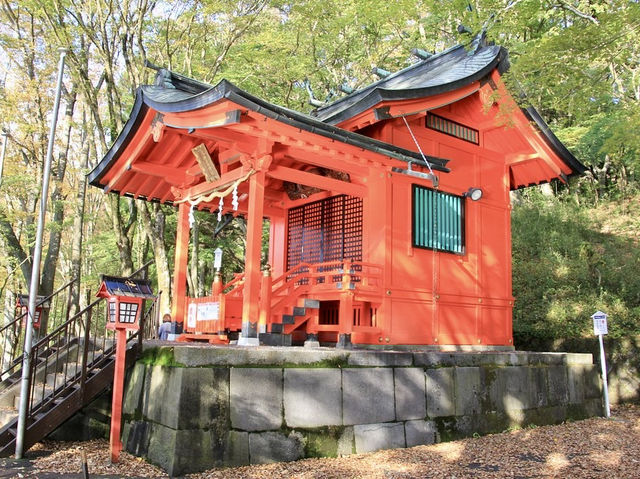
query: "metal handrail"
11, 356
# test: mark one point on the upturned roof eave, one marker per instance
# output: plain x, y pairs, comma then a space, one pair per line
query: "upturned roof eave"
225, 90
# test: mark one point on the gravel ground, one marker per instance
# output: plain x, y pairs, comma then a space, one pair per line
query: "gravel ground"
592, 448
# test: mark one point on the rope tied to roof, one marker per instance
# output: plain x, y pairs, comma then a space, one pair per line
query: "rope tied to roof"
424, 158
434, 213
217, 193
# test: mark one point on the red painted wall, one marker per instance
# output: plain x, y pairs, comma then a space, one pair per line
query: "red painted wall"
473, 297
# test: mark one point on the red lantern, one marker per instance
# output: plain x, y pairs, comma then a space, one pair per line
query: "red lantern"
22, 307
124, 300
124, 304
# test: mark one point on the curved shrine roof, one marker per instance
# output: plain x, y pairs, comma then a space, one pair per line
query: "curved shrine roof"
445, 72
440, 73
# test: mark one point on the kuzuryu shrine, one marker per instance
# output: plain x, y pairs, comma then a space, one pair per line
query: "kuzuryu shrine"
389, 208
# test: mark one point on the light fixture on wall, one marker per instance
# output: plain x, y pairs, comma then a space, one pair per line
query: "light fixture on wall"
474, 194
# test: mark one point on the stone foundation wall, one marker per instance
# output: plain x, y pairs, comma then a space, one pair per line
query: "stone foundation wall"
213, 406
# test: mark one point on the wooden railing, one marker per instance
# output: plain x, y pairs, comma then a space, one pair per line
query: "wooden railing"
337, 280
354, 277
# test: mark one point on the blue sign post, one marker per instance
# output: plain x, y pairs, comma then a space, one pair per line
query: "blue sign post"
600, 329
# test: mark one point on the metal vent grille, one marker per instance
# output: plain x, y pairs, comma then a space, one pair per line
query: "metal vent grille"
325, 230
452, 128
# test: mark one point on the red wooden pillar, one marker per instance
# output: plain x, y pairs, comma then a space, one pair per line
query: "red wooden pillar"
179, 299
345, 313
116, 400
265, 301
252, 273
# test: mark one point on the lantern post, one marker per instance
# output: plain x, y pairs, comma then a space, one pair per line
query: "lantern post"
125, 298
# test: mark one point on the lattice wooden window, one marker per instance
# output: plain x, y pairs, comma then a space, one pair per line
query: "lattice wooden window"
438, 220
325, 230
452, 128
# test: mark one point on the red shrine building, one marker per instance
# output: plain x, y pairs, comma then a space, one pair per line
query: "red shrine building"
388, 209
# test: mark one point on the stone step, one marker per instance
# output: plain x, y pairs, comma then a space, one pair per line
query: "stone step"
55, 380
299, 311
7, 414
310, 303
38, 394
288, 319
277, 327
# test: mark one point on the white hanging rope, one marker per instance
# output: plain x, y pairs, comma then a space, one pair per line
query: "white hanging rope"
192, 218
436, 236
234, 199
220, 207
424, 158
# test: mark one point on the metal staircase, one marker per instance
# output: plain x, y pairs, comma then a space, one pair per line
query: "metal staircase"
69, 367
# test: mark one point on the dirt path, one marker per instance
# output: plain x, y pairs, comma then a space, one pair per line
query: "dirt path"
594, 448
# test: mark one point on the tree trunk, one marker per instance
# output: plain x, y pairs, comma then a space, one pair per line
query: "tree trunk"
154, 228
78, 227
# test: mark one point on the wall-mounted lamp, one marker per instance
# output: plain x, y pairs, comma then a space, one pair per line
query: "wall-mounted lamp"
474, 194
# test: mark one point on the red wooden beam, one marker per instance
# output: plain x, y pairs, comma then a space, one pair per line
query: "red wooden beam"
132, 156
169, 174
323, 182
206, 187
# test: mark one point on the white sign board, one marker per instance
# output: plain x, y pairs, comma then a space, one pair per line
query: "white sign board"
599, 323
208, 311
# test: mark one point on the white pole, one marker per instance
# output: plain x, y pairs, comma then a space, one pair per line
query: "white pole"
603, 364
35, 268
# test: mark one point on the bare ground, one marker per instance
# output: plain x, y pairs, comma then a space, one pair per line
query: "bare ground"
593, 448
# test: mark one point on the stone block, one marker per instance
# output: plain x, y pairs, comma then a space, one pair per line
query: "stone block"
261, 356
557, 383
575, 381
135, 437
380, 358
196, 450
579, 358
312, 397
419, 432
509, 391
468, 387
374, 437
204, 398
162, 447
236, 452
549, 359
367, 396
181, 452
346, 443
410, 395
255, 398
185, 398
133, 389
433, 359
267, 447
162, 394
538, 386
592, 382
440, 392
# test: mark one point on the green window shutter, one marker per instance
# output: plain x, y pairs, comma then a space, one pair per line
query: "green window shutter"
438, 220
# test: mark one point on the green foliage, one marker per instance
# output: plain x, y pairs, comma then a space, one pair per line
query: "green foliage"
570, 261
